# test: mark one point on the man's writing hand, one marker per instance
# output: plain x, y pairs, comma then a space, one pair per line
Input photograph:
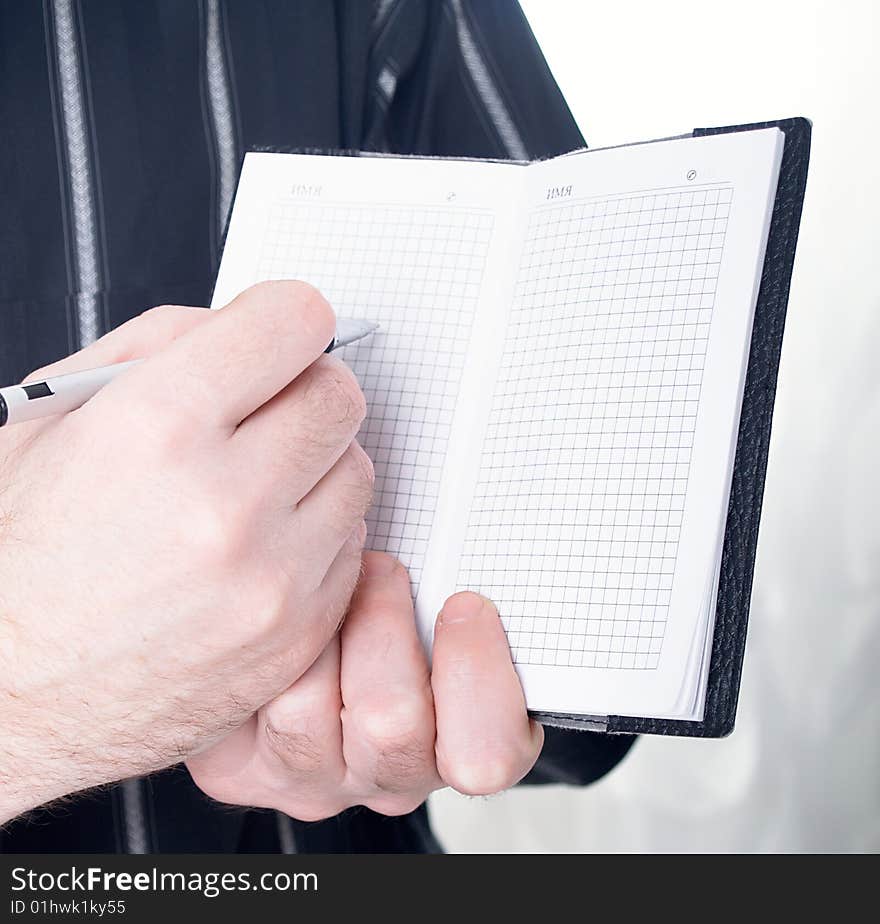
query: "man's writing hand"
180, 549
370, 724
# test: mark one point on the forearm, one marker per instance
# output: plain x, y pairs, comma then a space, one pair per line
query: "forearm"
26, 781
49, 748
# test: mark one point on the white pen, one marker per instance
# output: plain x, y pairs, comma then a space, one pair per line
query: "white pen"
62, 393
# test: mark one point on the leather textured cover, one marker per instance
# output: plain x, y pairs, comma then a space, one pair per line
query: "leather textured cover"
750, 465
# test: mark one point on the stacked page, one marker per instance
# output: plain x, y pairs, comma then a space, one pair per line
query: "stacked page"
554, 392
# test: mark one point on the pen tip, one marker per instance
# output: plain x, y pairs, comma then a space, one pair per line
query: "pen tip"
348, 330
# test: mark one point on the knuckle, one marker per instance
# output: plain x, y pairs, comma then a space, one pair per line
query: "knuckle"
399, 770
480, 777
400, 736
168, 436
269, 603
352, 549
334, 396
397, 722
172, 319
356, 492
286, 289
269, 288
358, 538
363, 464
315, 308
308, 294
216, 533
159, 313
344, 584
292, 300
298, 749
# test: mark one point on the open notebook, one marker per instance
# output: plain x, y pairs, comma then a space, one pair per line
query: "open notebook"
554, 394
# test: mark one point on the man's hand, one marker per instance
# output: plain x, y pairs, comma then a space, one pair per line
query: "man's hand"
180, 549
370, 724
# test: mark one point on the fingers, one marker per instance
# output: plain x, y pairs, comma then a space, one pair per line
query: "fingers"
358, 728
135, 339
388, 712
485, 739
295, 438
300, 738
300, 642
244, 355
231, 767
289, 754
334, 507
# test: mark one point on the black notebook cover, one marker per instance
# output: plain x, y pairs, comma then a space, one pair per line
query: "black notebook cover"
750, 464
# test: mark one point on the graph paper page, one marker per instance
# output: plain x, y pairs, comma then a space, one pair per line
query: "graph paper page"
406, 243
596, 520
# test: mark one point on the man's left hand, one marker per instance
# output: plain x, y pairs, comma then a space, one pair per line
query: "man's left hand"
370, 723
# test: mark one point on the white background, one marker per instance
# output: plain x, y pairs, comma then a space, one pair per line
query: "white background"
802, 769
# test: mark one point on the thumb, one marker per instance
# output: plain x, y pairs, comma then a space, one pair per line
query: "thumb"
485, 738
135, 339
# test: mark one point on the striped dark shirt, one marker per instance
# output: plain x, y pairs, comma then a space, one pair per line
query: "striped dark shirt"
124, 125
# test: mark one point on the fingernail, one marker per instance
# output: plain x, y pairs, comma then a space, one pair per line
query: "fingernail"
461, 608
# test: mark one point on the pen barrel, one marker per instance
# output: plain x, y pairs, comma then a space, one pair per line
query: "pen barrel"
57, 394
62, 393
